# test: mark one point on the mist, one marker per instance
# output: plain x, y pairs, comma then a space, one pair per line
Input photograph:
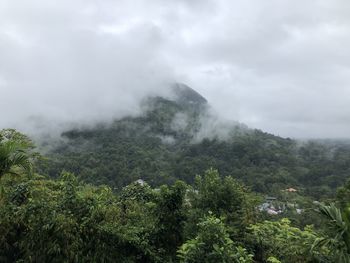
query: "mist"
280, 66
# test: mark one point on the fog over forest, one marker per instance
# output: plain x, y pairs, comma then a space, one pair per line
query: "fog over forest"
186, 131
280, 66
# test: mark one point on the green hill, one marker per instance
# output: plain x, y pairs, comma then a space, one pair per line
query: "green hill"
178, 137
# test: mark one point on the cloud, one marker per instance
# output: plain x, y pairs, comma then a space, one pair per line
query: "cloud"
281, 66
60, 67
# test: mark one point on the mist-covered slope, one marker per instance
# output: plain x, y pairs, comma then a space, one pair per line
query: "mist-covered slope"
178, 137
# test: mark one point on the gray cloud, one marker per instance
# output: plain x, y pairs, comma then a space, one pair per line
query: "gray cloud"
282, 65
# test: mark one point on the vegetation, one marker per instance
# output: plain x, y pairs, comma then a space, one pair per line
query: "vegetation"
213, 244
14, 149
164, 144
143, 190
283, 241
215, 220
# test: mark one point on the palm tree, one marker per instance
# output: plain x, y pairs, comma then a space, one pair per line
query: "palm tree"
339, 227
14, 155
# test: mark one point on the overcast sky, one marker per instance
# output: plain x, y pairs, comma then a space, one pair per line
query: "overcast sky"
279, 65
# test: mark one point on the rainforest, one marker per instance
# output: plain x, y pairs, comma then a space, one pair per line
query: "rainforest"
179, 131
154, 188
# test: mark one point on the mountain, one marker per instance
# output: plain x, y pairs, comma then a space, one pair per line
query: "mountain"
185, 95
178, 137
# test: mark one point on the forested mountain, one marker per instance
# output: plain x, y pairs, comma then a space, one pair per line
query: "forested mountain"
178, 137
174, 184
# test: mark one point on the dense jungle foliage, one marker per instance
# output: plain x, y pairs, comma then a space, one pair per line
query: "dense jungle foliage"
214, 220
173, 185
178, 138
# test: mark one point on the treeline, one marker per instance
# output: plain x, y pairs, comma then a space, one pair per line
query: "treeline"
214, 220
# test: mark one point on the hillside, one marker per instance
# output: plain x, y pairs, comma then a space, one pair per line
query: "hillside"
178, 137
211, 217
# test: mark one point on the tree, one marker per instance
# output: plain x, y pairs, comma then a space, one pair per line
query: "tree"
65, 220
225, 198
343, 195
212, 244
170, 215
14, 153
283, 241
338, 239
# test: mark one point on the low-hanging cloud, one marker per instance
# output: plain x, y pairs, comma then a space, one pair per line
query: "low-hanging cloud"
60, 64
282, 65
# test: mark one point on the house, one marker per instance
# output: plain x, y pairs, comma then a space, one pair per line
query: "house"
291, 190
269, 206
270, 199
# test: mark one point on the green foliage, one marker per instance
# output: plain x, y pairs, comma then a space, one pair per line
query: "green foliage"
343, 195
212, 244
338, 228
14, 153
65, 221
214, 220
273, 260
281, 240
15, 136
137, 192
163, 145
224, 197
171, 216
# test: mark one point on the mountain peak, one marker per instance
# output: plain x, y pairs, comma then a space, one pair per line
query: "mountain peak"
185, 94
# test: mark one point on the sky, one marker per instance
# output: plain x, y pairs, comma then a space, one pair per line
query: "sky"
282, 66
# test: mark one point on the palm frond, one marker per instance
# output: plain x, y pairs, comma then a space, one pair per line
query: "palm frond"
13, 154
335, 218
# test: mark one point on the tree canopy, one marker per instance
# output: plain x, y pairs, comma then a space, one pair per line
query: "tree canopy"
217, 218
